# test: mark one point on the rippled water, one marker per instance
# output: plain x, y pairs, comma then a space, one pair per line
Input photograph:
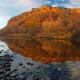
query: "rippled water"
42, 59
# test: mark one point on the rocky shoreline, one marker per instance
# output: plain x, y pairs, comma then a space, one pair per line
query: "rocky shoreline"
16, 67
6, 73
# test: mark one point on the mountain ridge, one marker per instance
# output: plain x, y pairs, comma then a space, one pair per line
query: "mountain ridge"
45, 21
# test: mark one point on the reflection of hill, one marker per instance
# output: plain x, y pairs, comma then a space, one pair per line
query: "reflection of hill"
45, 50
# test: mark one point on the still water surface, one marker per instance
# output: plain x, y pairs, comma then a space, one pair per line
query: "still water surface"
43, 59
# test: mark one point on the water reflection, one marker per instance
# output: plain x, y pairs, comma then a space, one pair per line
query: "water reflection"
45, 51
61, 58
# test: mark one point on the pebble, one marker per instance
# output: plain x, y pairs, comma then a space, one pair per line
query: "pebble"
6, 73
31, 64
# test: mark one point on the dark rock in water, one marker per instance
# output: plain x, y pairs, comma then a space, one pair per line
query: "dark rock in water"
8, 65
1, 51
7, 57
5, 67
1, 71
23, 66
20, 64
29, 63
35, 78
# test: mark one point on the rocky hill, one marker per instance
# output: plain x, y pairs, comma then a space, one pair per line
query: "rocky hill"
45, 21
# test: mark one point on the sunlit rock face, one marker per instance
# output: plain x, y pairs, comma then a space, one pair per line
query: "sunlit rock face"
45, 21
46, 51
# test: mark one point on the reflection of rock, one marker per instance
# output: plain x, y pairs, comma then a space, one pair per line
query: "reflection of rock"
45, 50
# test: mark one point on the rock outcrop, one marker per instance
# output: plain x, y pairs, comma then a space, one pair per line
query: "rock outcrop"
46, 21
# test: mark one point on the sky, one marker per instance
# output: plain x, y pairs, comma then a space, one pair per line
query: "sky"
10, 8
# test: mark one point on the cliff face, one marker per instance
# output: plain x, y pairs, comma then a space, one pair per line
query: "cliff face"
45, 21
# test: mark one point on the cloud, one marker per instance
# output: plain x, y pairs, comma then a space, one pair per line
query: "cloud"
73, 4
47, 2
15, 7
64, 3
28, 4
25, 3
3, 21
